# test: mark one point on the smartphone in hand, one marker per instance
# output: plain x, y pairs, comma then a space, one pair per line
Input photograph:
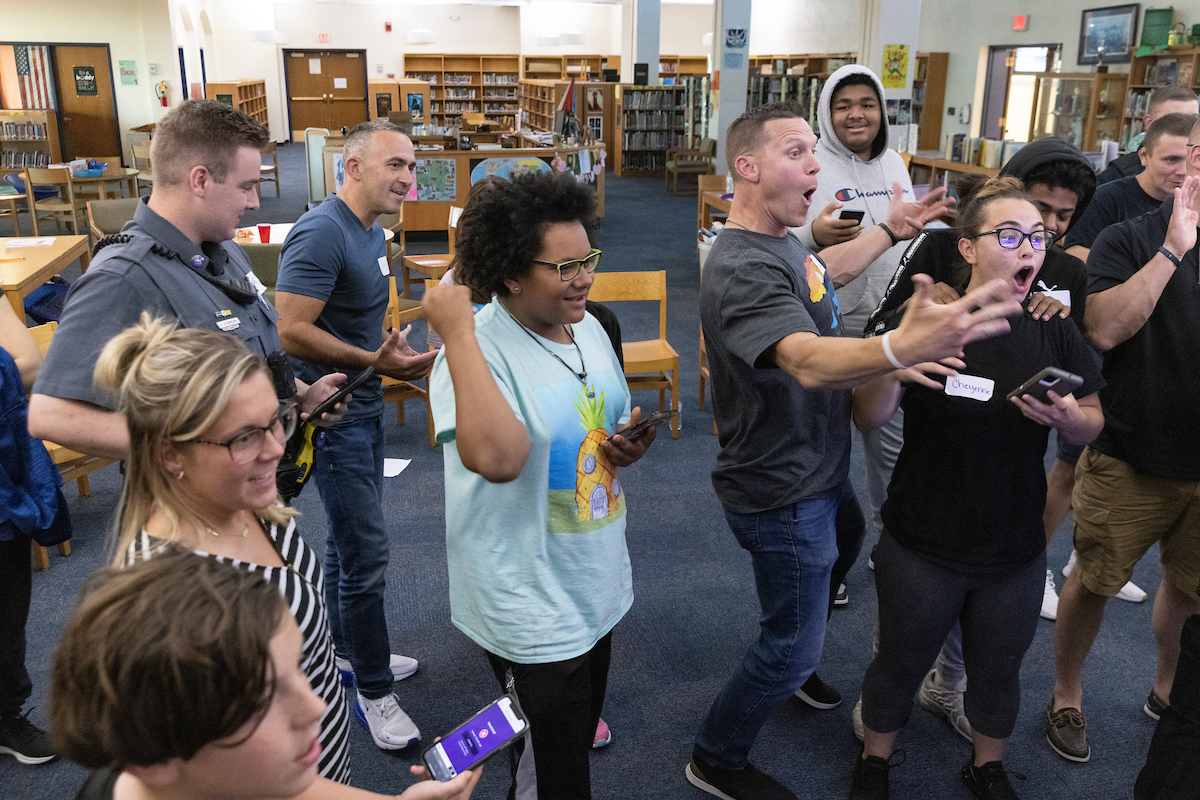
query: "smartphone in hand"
494, 728
1061, 382
652, 421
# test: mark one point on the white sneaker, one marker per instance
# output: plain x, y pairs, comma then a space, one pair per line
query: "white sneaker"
856, 720
1130, 592
390, 727
1050, 598
945, 702
402, 667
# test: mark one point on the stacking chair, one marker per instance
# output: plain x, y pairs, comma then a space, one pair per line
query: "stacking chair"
706, 183
402, 311
72, 466
67, 203
654, 356
106, 217
269, 172
684, 161
434, 265
141, 162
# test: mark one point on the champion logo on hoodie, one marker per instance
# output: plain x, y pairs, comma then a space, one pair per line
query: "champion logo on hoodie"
850, 193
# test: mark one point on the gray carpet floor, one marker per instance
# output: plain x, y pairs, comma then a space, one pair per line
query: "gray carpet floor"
695, 609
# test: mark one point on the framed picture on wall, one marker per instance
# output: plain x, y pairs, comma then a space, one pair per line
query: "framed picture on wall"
1106, 35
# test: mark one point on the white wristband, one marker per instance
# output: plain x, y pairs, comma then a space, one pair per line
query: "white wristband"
887, 351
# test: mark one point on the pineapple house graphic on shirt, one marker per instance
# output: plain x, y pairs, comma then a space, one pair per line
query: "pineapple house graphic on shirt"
585, 491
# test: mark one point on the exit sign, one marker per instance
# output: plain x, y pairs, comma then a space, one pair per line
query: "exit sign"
322, 37
1021, 22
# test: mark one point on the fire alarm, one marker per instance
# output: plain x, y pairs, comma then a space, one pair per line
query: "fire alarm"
387, 26
1021, 22
322, 37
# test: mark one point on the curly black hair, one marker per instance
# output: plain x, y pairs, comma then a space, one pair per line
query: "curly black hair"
500, 231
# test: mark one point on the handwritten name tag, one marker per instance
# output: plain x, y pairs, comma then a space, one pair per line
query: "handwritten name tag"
970, 386
383, 266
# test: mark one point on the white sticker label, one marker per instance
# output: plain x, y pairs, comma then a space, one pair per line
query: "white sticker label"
231, 324
970, 386
258, 285
384, 267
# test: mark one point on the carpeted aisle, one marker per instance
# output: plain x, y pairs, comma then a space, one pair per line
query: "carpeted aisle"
695, 609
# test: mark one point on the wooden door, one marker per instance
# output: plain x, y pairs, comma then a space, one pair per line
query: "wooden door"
326, 89
86, 103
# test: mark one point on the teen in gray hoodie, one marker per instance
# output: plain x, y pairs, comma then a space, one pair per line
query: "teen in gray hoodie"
858, 173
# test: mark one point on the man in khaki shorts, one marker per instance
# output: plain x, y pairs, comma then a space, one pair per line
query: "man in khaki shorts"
1139, 483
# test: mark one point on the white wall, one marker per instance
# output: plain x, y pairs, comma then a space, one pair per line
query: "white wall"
601, 24
813, 26
683, 26
135, 30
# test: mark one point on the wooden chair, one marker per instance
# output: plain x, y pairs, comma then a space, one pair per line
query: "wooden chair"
68, 203
684, 161
704, 374
402, 311
653, 356
141, 162
10, 206
433, 265
72, 466
706, 183
106, 217
269, 172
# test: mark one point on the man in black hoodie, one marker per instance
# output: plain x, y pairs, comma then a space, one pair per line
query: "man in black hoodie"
1061, 182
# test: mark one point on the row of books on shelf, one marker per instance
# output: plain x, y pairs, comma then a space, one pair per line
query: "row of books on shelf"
1168, 70
1129, 130
459, 79
461, 108
654, 120
918, 93
500, 94
649, 98
643, 161
1137, 103
498, 108
979, 151
428, 77
460, 94
651, 140
10, 159
499, 79
24, 130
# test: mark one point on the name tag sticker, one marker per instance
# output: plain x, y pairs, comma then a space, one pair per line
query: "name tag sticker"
383, 266
970, 386
258, 285
1061, 295
230, 324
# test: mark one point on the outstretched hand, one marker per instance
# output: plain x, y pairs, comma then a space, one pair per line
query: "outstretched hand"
908, 219
920, 373
396, 359
931, 331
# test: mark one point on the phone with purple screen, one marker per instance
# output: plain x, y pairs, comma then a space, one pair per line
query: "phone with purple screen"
476, 740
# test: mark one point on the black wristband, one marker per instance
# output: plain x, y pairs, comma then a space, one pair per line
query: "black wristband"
891, 235
1170, 256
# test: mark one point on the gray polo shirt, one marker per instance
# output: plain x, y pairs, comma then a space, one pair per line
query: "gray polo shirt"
157, 269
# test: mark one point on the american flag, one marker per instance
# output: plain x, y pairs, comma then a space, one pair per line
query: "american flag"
33, 72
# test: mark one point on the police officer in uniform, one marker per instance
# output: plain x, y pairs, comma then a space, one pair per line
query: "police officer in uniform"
174, 260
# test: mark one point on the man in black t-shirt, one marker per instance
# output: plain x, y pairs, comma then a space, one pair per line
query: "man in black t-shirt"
1170, 99
1139, 482
1163, 154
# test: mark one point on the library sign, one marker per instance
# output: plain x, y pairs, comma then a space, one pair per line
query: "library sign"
85, 81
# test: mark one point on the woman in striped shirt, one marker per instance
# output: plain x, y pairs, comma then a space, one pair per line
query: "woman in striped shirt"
206, 433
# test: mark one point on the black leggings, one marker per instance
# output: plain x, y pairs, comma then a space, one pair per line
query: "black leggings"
919, 602
851, 530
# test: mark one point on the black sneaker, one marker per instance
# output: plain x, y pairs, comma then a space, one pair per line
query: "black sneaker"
989, 782
870, 779
25, 741
842, 598
819, 694
747, 783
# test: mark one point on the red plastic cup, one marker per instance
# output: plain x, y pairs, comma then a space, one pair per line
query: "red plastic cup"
264, 234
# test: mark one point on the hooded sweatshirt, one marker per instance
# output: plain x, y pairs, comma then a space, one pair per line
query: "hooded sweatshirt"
860, 186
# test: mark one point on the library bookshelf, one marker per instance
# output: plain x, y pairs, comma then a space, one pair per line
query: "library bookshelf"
566, 67
649, 121
672, 68
1172, 65
28, 138
248, 96
928, 97
468, 84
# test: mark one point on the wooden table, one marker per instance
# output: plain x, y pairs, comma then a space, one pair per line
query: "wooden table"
933, 161
124, 175
709, 201
37, 265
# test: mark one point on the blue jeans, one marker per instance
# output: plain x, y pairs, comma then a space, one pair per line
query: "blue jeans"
793, 549
349, 473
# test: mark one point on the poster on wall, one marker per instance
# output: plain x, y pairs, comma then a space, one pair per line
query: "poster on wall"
596, 125
506, 167
416, 104
437, 179
128, 72
595, 100
895, 66
383, 104
85, 81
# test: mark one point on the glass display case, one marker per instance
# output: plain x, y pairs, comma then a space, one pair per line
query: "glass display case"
1085, 109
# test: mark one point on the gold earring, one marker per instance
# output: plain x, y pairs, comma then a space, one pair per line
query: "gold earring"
516, 289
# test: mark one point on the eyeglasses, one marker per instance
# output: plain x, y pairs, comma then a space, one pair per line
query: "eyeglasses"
567, 270
247, 446
1011, 238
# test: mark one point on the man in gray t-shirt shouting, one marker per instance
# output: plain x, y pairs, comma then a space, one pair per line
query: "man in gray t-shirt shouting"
780, 371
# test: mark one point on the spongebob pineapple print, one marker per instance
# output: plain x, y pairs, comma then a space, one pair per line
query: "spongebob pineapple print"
596, 484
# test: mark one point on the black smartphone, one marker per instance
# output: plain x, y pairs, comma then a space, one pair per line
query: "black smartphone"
652, 421
846, 213
345, 389
1051, 378
494, 728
